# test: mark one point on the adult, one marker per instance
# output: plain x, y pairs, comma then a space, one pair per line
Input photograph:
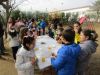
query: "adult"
1, 39
56, 22
19, 23
32, 24
11, 23
14, 41
88, 47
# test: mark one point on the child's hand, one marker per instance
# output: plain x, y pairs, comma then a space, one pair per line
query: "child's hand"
33, 61
54, 55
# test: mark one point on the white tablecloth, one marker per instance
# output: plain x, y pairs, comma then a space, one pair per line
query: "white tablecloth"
45, 46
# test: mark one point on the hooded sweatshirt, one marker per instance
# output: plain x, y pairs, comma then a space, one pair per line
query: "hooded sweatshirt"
87, 49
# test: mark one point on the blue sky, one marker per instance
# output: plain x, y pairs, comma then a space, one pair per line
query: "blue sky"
50, 5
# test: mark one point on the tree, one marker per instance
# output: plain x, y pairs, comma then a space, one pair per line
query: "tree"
73, 18
29, 15
63, 18
67, 17
9, 6
96, 7
2, 1
16, 14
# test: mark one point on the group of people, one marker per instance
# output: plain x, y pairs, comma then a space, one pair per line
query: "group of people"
72, 58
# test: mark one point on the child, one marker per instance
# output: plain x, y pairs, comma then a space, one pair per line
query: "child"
43, 26
51, 31
14, 41
59, 32
59, 44
77, 29
65, 60
58, 39
25, 57
24, 31
88, 47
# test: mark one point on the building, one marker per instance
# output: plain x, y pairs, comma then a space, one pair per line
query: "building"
80, 10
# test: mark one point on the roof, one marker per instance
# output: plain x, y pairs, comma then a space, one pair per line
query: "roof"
71, 9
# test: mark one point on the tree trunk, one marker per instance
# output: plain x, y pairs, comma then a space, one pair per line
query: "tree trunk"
7, 17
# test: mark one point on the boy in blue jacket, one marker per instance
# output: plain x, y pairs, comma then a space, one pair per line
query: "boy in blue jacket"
43, 25
65, 61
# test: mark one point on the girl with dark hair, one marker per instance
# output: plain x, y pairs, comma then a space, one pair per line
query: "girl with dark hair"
24, 31
88, 47
77, 29
11, 23
25, 57
65, 60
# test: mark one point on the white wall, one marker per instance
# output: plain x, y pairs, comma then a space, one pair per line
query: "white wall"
81, 11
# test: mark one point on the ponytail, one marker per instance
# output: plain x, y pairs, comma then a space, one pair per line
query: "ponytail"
91, 34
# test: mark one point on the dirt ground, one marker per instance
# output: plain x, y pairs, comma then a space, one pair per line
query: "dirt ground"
7, 64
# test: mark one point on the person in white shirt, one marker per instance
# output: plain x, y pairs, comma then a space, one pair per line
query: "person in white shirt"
25, 57
13, 41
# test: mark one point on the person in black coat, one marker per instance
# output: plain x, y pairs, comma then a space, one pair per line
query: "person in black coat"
1, 39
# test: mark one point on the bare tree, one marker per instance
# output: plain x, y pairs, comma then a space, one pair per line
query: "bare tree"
9, 6
2, 1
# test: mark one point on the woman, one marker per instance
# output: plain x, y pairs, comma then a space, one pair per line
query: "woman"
77, 29
65, 61
88, 47
11, 23
13, 41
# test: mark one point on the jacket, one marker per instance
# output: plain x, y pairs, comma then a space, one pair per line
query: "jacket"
42, 24
23, 62
87, 49
65, 62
